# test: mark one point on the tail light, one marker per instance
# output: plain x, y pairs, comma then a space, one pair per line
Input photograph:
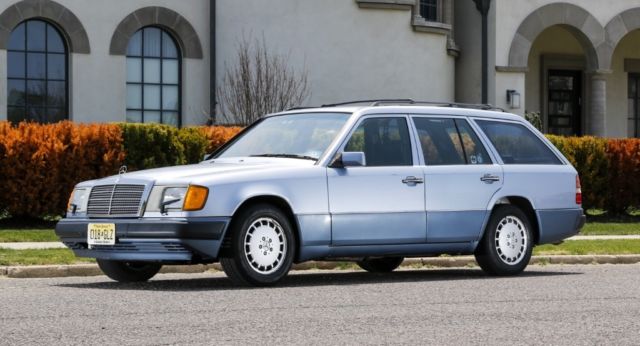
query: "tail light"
578, 191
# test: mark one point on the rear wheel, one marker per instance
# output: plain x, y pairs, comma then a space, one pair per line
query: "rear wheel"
507, 244
380, 265
262, 247
129, 271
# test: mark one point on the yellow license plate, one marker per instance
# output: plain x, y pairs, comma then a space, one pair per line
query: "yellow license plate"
101, 234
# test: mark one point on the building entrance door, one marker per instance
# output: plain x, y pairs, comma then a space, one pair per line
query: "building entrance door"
564, 106
634, 105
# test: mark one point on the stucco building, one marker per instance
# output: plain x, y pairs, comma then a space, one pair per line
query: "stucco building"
577, 62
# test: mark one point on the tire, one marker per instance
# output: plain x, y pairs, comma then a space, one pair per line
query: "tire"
129, 271
262, 247
380, 265
498, 253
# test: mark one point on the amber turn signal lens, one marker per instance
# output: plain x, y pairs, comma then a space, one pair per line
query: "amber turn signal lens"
70, 200
196, 198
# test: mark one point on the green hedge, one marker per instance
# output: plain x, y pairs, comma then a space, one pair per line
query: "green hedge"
154, 145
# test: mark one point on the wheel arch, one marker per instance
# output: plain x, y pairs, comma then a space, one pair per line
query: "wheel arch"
523, 204
274, 200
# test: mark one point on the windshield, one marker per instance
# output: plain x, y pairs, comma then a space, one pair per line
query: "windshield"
303, 136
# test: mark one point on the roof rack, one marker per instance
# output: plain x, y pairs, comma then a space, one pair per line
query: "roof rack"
382, 102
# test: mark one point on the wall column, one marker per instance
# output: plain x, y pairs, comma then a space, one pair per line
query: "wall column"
598, 103
448, 18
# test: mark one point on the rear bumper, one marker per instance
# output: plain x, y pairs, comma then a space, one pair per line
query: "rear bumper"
559, 224
175, 240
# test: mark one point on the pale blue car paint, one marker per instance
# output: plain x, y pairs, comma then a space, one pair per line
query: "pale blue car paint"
369, 211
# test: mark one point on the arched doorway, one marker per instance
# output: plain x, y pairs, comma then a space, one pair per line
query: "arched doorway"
555, 81
563, 50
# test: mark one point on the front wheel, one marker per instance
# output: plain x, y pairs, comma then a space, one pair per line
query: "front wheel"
262, 247
507, 244
129, 271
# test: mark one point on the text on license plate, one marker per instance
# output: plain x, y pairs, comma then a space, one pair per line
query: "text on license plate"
101, 234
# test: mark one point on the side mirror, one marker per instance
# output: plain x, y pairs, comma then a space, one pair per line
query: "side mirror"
349, 159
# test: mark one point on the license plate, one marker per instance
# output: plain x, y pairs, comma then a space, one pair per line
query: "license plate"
101, 234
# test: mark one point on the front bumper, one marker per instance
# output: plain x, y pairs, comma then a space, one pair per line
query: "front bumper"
166, 240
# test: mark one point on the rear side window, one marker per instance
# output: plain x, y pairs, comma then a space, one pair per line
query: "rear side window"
449, 142
516, 144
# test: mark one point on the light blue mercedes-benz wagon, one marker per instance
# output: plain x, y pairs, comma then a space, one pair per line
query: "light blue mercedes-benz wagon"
374, 183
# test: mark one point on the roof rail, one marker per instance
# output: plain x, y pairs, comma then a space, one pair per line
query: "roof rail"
382, 102
372, 103
297, 108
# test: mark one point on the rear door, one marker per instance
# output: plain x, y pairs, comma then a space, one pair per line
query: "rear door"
460, 178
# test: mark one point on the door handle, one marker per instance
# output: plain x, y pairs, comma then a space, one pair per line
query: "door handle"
412, 180
490, 179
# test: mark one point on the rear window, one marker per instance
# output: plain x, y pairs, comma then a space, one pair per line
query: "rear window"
517, 145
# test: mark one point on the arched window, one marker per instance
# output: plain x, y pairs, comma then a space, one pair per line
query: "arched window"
37, 88
153, 78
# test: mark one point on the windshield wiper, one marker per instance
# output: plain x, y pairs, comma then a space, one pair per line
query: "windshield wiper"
288, 156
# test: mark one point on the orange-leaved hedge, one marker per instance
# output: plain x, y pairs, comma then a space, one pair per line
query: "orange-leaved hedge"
623, 190
40, 164
609, 170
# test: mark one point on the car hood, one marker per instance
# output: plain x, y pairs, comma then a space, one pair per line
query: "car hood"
187, 173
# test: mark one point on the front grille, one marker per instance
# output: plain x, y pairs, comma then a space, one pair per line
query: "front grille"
115, 200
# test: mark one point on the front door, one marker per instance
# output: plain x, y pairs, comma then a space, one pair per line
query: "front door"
564, 107
383, 201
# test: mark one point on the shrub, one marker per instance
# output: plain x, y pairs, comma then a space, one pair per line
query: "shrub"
151, 146
40, 164
589, 156
219, 135
194, 142
623, 190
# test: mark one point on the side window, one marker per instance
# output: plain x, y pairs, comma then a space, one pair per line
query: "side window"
516, 144
449, 142
384, 141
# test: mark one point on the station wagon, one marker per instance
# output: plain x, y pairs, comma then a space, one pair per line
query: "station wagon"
370, 182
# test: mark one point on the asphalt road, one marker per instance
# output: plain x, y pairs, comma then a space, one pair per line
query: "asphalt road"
560, 305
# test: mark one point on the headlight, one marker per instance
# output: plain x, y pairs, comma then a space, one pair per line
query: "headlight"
173, 198
78, 201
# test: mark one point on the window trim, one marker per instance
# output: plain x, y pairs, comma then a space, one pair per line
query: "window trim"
142, 83
410, 129
25, 79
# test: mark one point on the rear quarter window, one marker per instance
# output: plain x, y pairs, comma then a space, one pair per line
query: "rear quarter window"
517, 145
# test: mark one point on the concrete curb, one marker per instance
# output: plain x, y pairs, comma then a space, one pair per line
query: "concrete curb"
57, 271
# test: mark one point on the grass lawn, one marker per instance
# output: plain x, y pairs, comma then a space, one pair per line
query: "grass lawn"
611, 228
27, 235
578, 247
591, 247
39, 257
